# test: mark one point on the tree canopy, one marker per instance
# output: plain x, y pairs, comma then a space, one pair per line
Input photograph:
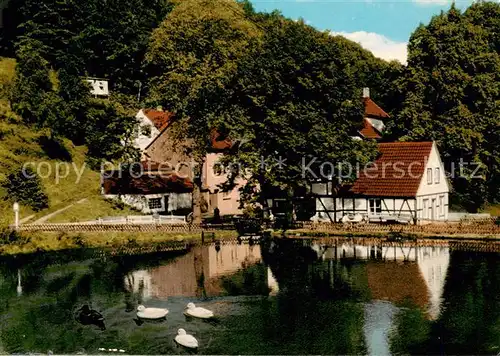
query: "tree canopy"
280, 88
452, 95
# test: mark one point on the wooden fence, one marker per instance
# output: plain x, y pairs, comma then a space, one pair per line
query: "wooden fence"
485, 227
472, 227
183, 228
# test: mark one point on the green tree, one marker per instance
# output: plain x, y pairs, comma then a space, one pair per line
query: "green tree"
296, 100
25, 186
452, 95
192, 57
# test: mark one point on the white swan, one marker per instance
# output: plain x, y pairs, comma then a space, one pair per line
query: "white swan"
198, 312
151, 313
186, 340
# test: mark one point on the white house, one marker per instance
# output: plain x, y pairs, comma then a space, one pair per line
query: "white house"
98, 87
150, 124
406, 182
152, 191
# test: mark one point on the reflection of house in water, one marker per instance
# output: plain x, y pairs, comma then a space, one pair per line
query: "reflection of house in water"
195, 272
272, 282
394, 274
139, 282
421, 278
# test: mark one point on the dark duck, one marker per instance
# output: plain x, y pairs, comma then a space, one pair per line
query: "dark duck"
87, 316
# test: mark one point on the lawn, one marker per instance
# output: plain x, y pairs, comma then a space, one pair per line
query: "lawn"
50, 241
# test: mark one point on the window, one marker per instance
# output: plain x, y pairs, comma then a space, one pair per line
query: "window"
375, 206
154, 203
429, 175
437, 175
218, 169
146, 130
441, 204
226, 194
425, 208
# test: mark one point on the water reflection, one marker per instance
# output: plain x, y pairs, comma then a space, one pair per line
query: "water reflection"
397, 273
196, 274
19, 288
282, 297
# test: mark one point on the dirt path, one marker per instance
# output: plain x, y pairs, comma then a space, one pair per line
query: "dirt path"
26, 219
48, 216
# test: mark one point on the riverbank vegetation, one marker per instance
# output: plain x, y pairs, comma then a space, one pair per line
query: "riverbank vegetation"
279, 87
12, 242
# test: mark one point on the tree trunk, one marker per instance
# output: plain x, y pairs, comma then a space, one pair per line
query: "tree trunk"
198, 184
197, 201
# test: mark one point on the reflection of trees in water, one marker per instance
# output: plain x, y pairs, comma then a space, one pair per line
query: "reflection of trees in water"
309, 314
54, 287
297, 269
470, 321
251, 280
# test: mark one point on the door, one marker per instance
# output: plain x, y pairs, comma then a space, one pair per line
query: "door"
425, 208
433, 209
166, 203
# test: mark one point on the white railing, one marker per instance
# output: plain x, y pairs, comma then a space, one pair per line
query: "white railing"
143, 219
171, 218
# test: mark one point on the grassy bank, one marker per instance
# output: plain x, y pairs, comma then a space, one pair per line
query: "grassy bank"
73, 181
51, 241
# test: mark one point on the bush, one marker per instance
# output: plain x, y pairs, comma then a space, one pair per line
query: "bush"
54, 148
25, 187
9, 237
248, 226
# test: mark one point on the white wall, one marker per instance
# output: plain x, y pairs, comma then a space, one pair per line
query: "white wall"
140, 202
346, 206
140, 140
434, 189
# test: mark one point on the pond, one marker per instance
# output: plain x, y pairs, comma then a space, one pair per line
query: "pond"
279, 297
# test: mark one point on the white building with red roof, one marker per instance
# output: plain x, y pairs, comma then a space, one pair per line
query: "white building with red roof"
373, 121
407, 182
150, 124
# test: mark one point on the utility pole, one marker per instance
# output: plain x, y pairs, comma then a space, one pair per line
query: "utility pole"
139, 92
16, 215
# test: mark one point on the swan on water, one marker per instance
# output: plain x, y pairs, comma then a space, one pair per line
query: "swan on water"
198, 312
186, 340
151, 313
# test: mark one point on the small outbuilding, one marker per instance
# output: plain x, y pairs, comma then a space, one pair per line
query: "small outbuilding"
151, 191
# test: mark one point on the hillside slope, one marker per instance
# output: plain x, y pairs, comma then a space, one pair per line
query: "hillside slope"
20, 144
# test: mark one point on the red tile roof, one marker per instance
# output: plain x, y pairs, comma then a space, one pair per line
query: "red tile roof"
145, 184
156, 167
368, 131
397, 172
218, 142
373, 110
160, 119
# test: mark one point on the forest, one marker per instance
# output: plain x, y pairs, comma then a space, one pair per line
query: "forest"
279, 86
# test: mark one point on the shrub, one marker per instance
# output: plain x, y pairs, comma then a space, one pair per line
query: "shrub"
26, 187
8, 237
54, 148
248, 226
